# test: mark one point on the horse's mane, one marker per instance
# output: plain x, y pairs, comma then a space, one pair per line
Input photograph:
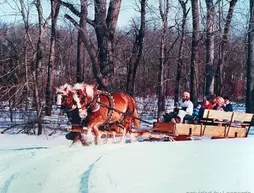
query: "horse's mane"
64, 88
89, 89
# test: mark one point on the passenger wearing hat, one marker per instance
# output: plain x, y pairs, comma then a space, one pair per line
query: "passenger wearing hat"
219, 103
206, 104
227, 105
182, 111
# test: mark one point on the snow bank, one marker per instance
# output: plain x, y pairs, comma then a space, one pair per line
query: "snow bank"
31, 164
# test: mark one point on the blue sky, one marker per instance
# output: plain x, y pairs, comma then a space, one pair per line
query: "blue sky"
9, 11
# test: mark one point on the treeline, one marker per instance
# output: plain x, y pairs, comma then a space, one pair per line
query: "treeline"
148, 58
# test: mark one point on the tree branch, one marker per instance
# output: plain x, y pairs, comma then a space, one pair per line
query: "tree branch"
75, 11
70, 7
72, 21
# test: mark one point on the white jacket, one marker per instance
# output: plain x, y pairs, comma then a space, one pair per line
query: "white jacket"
188, 105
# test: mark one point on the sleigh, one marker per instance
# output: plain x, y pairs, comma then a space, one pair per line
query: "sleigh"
215, 124
103, 106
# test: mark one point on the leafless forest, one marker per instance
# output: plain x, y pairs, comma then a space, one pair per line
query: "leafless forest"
204, 46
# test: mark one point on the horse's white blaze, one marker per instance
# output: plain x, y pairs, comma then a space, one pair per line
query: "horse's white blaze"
61, 91
90, 91
76, 98
59, 100
82, 113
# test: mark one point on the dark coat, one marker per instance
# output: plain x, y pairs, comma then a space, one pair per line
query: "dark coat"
228, 107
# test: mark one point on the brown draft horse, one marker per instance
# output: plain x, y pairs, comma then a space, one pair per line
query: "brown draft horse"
102, 108
66, 103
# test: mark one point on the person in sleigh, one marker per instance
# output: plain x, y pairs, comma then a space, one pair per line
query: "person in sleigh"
182, 112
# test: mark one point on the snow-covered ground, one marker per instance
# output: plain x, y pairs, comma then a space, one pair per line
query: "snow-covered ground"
32, 164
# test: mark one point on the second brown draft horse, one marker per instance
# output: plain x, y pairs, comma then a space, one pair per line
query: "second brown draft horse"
100, 108
66, 103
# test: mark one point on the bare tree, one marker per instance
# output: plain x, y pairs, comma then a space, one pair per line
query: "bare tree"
194, 49
55, 6
81, 46
222, 51
27, 41
104, 23
210, 65
250, 63
37, 62
137, 51
181, 46
164, 8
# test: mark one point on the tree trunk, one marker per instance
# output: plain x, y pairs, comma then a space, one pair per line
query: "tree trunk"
180, 52
80, 58
25, 20
218, 77
105, 27
194, 50
161, 86
36, 64
250, 63
55, 6
137, 51
210, 66
104, 24
81, 46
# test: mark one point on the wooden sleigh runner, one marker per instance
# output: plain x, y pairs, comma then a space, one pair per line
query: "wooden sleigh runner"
105, 133
214, 124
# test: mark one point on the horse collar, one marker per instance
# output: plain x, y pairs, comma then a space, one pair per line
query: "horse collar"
110, 107
94, 106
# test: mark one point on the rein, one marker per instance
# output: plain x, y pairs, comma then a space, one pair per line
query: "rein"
124, 113
111, 103
111, 108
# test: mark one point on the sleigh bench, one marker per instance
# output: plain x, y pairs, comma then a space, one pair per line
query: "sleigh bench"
215, 124
221, 124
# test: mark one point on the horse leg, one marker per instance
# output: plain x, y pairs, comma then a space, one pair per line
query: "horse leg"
132, 137
126, 128
97, 136
75, 139
123, 140
114, 136
82, 140
123, 133
89, 135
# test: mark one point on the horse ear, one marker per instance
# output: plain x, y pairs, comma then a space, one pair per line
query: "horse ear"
95, 88
55, 89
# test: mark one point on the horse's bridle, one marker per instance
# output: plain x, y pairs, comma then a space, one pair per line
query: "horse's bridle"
64, 98
96, 101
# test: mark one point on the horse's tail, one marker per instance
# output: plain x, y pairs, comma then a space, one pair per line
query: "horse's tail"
135, 120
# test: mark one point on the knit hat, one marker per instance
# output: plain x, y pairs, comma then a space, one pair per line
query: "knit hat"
186, 94
219, 100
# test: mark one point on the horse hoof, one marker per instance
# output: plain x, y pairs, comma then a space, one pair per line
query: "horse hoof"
72, 145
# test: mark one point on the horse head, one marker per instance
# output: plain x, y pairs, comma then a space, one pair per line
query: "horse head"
84, 96
65, 99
